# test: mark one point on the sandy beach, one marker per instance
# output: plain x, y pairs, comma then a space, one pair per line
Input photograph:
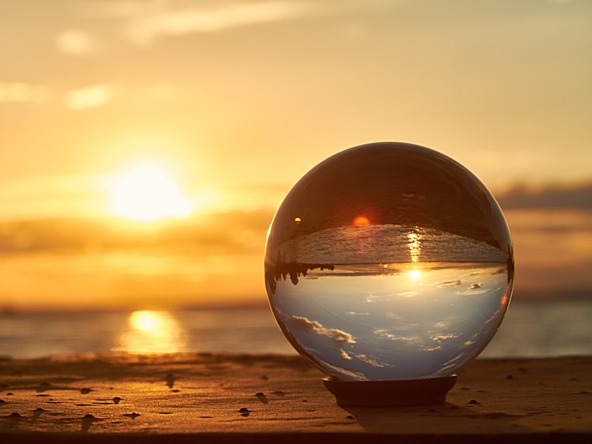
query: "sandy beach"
263, 398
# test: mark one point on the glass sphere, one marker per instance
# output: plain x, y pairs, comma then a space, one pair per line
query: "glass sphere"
389, 261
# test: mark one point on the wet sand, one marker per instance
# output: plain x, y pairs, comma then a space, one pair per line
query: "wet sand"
257, 398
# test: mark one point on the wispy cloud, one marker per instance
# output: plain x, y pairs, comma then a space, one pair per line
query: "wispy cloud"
550, 197
23, 92
53, 234
445, 284
145, 27
386, 334
443, 337
89, 97
143, 22
372, 360
76, 42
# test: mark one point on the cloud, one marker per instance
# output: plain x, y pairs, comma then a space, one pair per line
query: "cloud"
89, 97
371, 360
410, 294
454, 283
443, 337
144, 28
576, 197
375, 298
190, 236
22, 92
385, 334
339, 337
75, 42
143, 22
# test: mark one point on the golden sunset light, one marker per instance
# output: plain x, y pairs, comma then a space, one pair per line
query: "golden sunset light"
210, 210
164, 136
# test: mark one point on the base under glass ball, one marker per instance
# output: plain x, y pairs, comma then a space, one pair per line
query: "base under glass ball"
390, 393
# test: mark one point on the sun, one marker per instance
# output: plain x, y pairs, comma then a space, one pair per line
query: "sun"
361, 221
414, 274
147, 192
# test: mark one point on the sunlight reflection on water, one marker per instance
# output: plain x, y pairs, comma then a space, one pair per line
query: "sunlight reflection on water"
152, 332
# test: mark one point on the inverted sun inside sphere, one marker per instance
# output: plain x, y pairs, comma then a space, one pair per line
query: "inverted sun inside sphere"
404, 273
361, 220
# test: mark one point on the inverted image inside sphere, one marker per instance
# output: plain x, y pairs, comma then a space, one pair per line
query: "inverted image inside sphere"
389, 261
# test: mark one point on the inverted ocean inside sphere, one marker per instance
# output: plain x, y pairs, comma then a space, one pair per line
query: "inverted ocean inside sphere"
389, 261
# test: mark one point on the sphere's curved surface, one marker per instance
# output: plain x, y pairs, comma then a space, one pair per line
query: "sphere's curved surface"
389, 261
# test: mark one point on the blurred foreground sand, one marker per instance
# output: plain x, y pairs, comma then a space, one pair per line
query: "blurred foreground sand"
232, 398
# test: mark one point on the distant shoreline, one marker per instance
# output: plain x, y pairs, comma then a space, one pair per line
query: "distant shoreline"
584, 294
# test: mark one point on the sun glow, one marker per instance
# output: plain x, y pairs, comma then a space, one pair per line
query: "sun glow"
152, 332
147, 192
361, 221
415, 274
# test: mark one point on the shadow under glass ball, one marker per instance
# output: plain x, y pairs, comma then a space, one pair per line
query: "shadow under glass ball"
389, 262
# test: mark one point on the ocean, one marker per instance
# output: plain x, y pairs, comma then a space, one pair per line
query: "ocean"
532, 328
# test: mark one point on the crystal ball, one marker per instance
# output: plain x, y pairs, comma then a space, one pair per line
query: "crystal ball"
389, 261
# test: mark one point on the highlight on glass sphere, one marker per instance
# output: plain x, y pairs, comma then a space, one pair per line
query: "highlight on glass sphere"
389, 261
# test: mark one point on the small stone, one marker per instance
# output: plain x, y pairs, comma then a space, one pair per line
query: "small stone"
262, 398
473, 401
43, 386
85, 391
116, 400
170, 380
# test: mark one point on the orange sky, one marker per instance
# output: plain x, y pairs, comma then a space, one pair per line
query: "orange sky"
237, 100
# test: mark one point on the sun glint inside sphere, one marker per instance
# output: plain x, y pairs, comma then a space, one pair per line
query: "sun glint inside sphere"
361, 221
407, 276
